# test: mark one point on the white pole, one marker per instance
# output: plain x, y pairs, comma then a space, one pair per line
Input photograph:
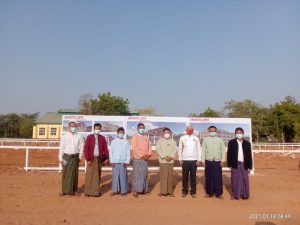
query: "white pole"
27, 159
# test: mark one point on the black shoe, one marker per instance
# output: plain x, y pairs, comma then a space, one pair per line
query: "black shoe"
183, 194
193, 195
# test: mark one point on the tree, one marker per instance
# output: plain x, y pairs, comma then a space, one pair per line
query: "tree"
17, 125
284, 120
26, 124
107, 104
85, 104
249, 109
147, 111
209, 112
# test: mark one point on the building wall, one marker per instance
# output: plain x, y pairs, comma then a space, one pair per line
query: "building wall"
47, 131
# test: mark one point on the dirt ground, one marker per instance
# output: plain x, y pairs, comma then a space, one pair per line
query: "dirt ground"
32, 197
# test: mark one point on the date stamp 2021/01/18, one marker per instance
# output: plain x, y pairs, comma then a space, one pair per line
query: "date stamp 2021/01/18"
257, 216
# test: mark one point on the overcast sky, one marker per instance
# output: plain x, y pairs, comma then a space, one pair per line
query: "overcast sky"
176, 56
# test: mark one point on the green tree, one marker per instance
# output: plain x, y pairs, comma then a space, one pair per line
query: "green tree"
147, 111
107, 104
284, 120
209, 112
15, 125
253, 110
26, 124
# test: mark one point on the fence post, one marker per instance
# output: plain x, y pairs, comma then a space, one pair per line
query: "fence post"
27, 159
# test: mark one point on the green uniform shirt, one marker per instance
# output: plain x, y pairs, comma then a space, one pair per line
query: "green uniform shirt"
166, 147
213, 148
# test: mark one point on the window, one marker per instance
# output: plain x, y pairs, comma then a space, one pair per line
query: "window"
42, 131
53, 131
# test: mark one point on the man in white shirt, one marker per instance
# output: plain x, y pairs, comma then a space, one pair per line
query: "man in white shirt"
189, 155
70, 152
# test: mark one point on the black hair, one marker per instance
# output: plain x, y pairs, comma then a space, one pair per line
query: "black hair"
120, 129
166, 128
212, 127
239, 128
97, 125
140, 124
72, 122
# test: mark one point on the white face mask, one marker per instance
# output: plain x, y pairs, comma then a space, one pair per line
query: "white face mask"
120, 135
167, 136
239, 136
97, 131
73, 129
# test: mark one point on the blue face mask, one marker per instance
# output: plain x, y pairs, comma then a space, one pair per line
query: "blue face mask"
141, 131
212, 134
120, 135
73, 129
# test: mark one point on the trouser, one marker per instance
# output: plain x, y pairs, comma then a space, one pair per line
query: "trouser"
166, 178
189, 169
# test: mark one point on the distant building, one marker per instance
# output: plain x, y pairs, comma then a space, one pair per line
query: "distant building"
223, 134
49, 125
155, 134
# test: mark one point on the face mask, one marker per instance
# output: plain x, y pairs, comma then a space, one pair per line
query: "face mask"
189, 132
97, 131
73, 129
212, 134
120, 135
239, 136
167, 136
141, 131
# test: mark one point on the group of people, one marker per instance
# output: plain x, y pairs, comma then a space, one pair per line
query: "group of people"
191, 154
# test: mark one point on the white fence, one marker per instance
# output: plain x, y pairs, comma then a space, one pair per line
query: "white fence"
58, 168
21, 144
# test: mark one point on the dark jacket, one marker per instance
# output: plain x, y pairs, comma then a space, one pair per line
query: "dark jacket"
232, 154
90, 145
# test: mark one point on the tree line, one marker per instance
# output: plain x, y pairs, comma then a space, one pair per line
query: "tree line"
279, 122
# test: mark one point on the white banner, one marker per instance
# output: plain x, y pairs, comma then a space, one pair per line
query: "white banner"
155, 125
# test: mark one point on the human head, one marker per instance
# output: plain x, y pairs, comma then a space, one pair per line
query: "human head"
212, 131
120, 132
189, 129
167, 132
239, 133
97, 128
141, 128
72, 127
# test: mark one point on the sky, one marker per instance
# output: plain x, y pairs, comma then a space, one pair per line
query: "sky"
179, 57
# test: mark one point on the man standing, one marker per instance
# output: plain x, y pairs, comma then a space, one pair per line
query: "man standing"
239, 158
142, 151
70, 153
213, 157
96, 154
189, 155
166, 149
119, 156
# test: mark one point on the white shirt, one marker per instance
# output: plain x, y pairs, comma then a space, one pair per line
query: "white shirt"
71, 143
240, 151
189, 148
96, 147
